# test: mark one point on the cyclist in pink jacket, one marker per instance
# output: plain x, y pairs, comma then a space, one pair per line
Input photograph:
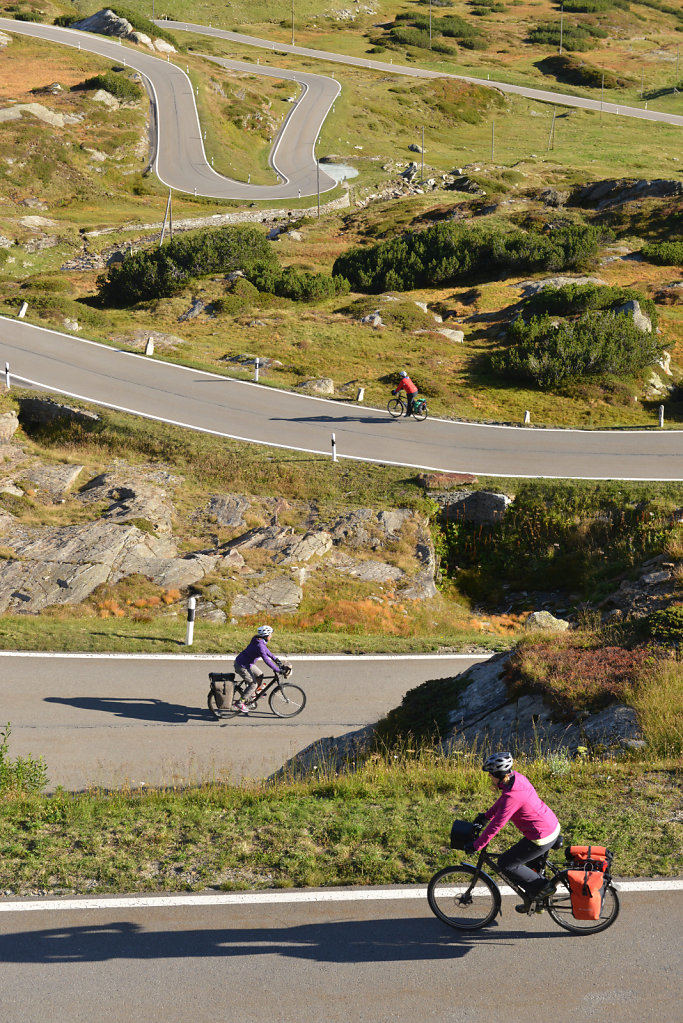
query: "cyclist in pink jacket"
518, 802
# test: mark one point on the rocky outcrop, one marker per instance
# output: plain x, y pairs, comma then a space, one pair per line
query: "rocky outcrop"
277, 596
479, 506
43, 411
632, 309
530, 288
9, 424
487, 716
545, 622
107, 23
614, 192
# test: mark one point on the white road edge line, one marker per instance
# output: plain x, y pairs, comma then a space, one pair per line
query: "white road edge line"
270, 897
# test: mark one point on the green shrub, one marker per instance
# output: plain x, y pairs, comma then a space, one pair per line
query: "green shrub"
572, 299
666, 625
449, 251
120, 86
23, 774
65, 20
574, 37
663, 253
299, 285
161, 272
573, 537
593, 6
575, 71
28, 16
597, 344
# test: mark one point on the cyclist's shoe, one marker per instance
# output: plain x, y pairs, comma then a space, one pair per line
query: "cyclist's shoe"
530, 907
243, 708
547, 890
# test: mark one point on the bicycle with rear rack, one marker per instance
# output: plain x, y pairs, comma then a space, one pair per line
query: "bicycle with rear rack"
396, 408
467, 898
226, 693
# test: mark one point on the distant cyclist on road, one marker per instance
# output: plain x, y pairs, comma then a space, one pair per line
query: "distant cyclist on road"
518, 802
407, 385
245, 664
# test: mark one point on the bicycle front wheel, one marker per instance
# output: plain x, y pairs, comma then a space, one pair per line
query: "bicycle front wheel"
560, 909
420, 411
287, 700
462, 898
395, 407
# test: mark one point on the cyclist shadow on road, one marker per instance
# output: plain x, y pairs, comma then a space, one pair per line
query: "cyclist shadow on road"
355, 941
376, 420
142, 709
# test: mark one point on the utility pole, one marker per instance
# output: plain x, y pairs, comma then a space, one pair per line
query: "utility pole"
642, 80
602, 93
292, 22
317, 170
493, 138
430, 27
423, 154
561, 25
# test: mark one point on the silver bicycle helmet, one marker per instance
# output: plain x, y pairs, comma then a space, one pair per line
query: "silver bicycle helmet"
498, 763
265, 631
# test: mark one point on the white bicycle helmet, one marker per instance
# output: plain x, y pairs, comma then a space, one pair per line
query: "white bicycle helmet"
403, 374
498, 763
265, 631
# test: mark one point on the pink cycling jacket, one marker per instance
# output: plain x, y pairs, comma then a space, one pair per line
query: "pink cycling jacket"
520, 804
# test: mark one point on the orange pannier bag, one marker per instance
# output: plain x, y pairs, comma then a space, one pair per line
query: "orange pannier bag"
588, 876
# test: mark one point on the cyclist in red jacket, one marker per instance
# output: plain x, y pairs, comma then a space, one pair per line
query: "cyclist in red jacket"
407, 385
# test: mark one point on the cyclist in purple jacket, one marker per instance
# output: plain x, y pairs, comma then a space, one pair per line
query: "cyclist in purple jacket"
245, 663
518, 802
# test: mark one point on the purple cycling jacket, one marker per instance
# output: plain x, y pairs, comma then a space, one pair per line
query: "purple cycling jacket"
520, 804
257, 648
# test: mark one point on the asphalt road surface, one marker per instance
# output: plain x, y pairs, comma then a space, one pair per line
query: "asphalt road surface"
113, 721
220, 405
180, 161
345, 962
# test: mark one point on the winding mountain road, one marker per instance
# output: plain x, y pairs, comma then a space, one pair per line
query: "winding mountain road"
226, 407
215, 404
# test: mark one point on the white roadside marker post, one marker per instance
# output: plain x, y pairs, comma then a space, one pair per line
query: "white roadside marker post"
191, 604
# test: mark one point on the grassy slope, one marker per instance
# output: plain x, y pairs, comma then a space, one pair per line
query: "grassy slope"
386, 824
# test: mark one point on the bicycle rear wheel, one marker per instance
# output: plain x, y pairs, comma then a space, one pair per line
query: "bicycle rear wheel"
226, 711
462, 898
419, 410
395, 407
287, 700
560, 909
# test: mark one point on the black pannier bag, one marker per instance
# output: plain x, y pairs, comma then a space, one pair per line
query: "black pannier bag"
461, 834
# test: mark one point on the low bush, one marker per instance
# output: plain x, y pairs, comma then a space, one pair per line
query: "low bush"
299, 285
580, 538
663, 253
161, 272
575, 71
579, 298
449, 251
666, 625
597, 344
120, 86
575, 673
574, 37
21, 774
